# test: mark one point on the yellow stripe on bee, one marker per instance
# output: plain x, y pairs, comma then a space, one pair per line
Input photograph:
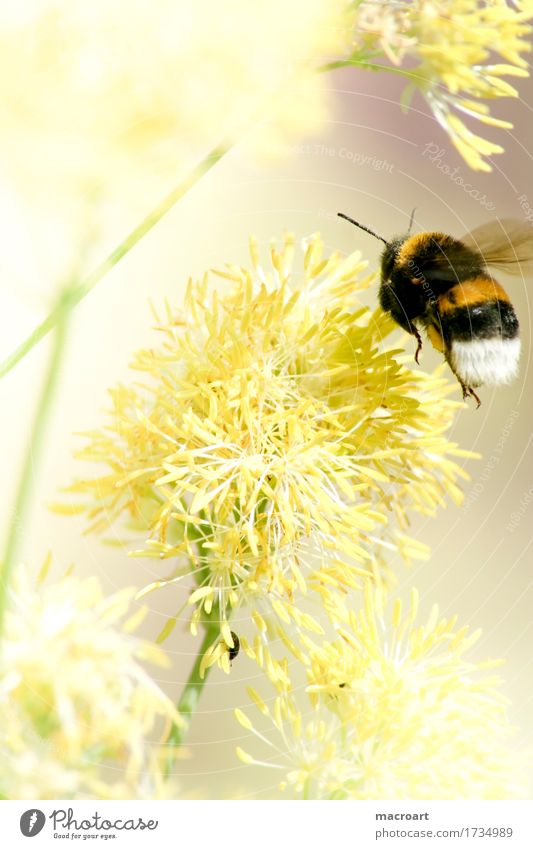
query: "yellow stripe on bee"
478, 290
411, 247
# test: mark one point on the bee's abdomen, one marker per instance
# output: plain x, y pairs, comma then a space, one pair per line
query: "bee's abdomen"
491, 319
480, 330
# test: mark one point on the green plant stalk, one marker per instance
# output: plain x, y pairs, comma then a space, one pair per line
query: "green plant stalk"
193, 688
191, 695
42, 414
373, 66
82, 289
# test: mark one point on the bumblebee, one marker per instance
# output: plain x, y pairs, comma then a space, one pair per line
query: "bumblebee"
442, 284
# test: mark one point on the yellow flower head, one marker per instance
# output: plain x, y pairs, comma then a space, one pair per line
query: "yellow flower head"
453, 45
74, 696
273, 448
395, 711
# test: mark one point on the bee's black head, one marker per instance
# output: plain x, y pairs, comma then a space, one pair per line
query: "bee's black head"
389, 256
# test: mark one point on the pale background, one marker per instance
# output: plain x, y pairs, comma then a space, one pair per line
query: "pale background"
480, 569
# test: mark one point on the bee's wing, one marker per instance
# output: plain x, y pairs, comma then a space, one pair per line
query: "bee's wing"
445, 260
506, 243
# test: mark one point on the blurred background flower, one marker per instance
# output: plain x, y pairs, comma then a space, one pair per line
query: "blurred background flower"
105, 106
77, 708
394, 711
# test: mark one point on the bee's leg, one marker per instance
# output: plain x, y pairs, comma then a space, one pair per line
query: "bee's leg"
418, 338
467, 390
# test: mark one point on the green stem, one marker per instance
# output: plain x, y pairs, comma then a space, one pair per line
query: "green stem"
79, 292
191, 694
22, 500
193, 688
373, 66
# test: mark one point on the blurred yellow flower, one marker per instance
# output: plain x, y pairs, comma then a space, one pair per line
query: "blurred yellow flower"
387, 24
272, 448
97, 86
395, 711
110, 100
455, 45
76, 705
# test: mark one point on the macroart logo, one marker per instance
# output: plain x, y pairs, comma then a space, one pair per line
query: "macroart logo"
32, 822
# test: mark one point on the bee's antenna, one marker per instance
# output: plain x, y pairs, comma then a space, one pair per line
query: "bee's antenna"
411, 220
361, 227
